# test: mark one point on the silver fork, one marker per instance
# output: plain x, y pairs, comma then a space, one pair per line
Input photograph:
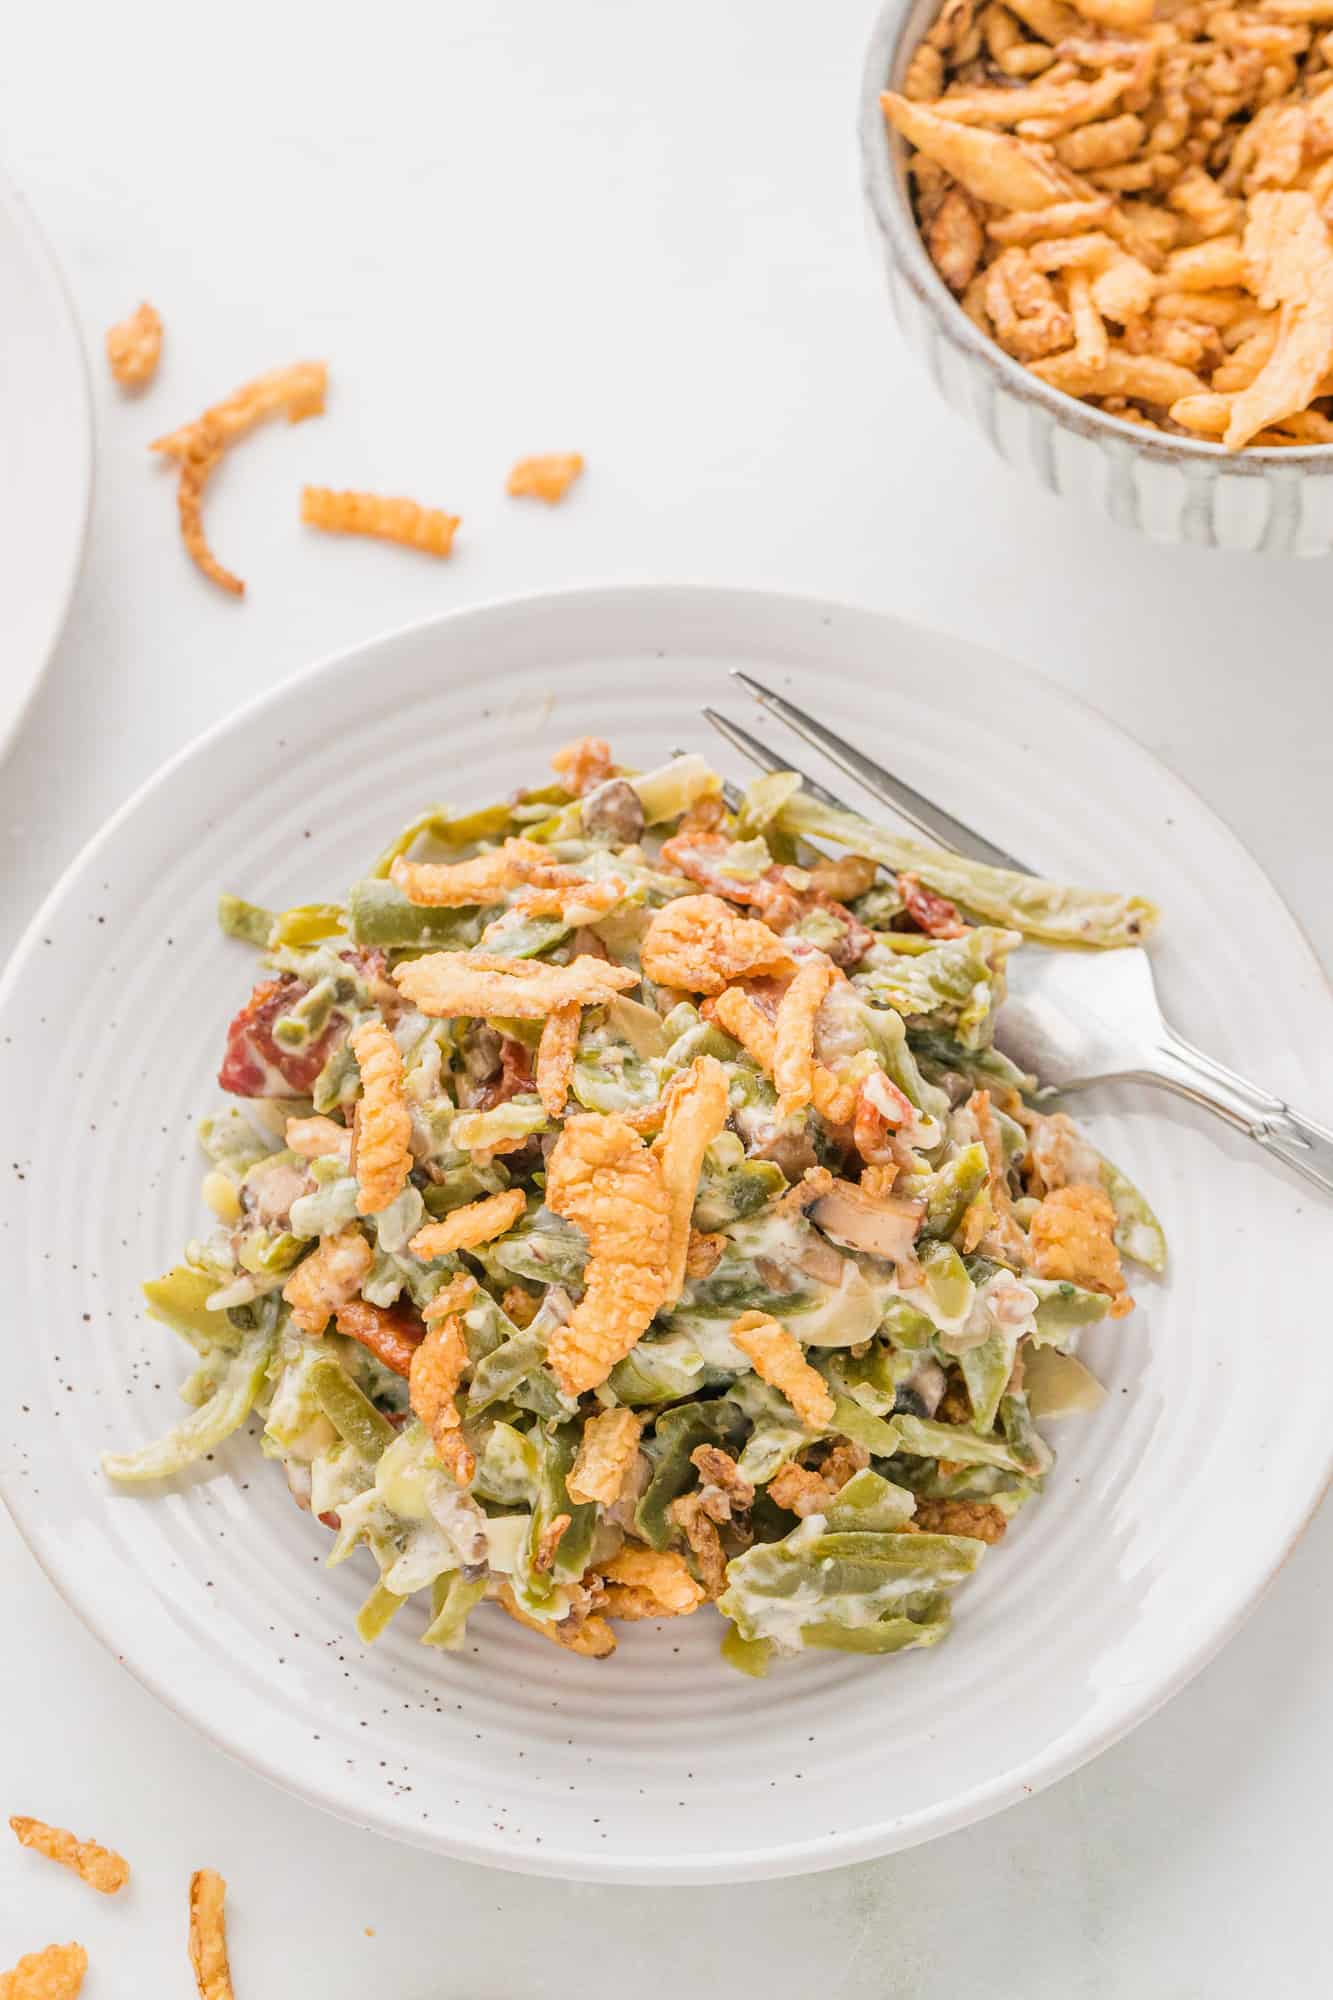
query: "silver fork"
1075, 1018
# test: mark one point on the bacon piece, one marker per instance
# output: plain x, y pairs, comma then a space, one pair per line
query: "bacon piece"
254, 1065
391, 1333
935, 915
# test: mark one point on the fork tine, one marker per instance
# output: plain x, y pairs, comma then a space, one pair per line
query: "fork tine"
760, 754
938, 826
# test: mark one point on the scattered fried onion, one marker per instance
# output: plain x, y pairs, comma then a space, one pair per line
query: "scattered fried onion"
834, 1098
317, 1138
602, 1178
976, 1518
384, 1123
447, 984
589, 1635
1072, 1238
198, 446
457, 885
696, 1111
53, 1974
466, 1228
689, 1513
98, 1866
134, 346
778, 1359
208, 1935
555, 1057
607, 1450
794, 1034
327, 1278
547, 477
427, 529
649, 1583
436, 1371
699, 944
703, 1253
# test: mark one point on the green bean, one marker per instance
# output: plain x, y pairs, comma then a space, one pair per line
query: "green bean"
379, 914
351, 1413
1047, 910
382, 1606
452, 1597
206, 1427
748, 1656
249, 922
180, 1301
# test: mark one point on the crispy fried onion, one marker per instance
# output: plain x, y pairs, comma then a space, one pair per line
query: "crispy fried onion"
607, 1450
699, 944
649, 1583
208, 1935
457, 885
778, 1359
98, 1866
134, 346
327, 1278
601, 1177
436, 1371
54, 1974
384, 1123
794, 1034
555, 1057
805, 1489
466, 1228
406, 522
586, 1633
1072, 1237
834, 1097
695, 1113
318, 1138
548, 476
198, 446
1289, 257
447, 984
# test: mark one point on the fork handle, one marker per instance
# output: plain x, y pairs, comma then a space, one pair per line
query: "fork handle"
1268, 1120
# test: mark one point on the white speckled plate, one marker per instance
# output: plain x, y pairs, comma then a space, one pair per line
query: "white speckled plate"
46, 438
1167, 1512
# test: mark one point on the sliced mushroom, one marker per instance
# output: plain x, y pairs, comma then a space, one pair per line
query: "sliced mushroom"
613, 812
885, 1228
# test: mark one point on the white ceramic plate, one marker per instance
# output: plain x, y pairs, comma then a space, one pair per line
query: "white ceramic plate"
1167, 1513
47, 444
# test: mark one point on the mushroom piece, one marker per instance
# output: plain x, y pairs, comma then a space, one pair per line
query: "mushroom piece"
613, 811
885, 1228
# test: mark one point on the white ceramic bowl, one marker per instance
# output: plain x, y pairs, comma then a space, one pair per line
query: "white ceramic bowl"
1167, 1511
1277, 502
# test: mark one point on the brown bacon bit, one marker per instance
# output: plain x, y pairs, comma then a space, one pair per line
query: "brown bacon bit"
254, 1065
935, 915
392, 1333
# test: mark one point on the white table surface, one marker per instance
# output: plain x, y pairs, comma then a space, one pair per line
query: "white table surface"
636, 232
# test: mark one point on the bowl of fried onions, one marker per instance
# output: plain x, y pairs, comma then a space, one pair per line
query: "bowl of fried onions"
1106, 226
